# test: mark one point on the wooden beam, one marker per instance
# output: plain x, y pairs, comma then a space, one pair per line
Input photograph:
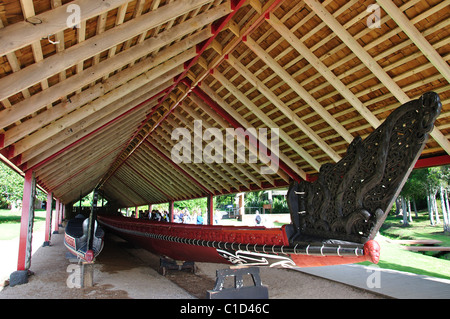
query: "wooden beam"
209, 169
113, 100
287, 167
265, 119
21, 34
419, 40
63, 143
322, 69
242, 157
176, 166
75, 54
192, 170
288, 113
242, 122
163, 173
370, 63
308, 98
208, 161
181, 51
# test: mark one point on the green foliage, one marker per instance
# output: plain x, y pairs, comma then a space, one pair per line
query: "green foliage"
255, 199
279, 205
423, 181
198, 203
11, 186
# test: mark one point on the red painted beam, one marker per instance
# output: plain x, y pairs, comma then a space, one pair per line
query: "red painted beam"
122, 194
216, 28
432, 161
143, 123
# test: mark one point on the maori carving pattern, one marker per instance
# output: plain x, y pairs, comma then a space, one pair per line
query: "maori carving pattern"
350, 198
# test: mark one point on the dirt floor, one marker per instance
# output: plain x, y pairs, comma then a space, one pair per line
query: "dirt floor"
124, 271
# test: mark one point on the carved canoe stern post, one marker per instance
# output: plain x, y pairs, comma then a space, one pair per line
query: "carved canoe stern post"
350, 199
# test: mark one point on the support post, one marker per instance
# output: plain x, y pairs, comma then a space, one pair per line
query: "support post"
60, 215
171, 210
210, 209
48, 220
26, 231
56, 223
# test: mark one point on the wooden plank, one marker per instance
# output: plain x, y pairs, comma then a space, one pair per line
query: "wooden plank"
277, 103
370, 63
60, 141
286, 77
244, 124
206, 159
245, 144
322, 69
88, 48
124, 92
41, 99
242, 157
419, 40
21, 34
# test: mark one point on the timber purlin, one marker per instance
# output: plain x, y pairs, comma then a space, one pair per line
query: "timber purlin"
313, 69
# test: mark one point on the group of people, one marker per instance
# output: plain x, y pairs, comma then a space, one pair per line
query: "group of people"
158, 215
179, 216
186, 217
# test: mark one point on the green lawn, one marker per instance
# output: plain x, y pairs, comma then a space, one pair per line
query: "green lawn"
10, 223
394, 257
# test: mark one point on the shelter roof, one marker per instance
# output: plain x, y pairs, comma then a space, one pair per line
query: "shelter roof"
91, 92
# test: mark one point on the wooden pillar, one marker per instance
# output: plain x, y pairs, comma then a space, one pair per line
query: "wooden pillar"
26, 231
241, 204
61, 209
171, 210
56, 223
26, 223
63, 212
48, 220
136, 212
210, 209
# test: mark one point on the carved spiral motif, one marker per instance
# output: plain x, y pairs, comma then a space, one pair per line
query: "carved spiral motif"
349, 199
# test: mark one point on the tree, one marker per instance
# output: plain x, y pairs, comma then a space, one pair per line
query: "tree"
11, 186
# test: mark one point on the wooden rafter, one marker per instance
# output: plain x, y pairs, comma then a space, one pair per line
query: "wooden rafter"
97, 104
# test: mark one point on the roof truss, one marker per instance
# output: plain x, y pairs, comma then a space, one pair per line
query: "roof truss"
97, 104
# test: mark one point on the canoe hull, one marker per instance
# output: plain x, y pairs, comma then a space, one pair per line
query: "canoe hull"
245, 246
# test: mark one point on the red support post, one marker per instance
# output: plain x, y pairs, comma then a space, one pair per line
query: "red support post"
48, 220
26, 222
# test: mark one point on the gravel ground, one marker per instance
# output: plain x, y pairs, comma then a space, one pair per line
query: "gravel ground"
123, 271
